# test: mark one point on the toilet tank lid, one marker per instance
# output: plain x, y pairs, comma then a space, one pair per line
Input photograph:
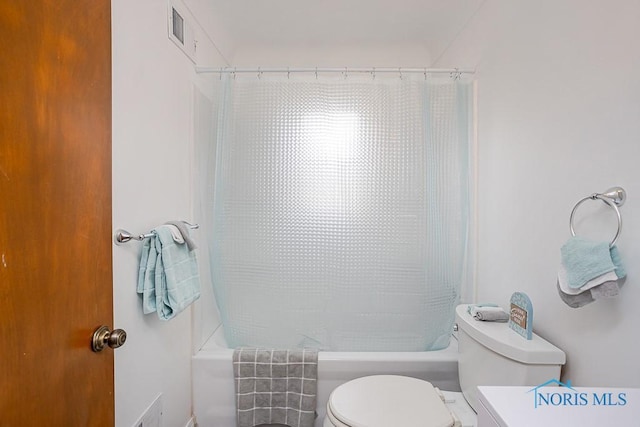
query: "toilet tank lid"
503, 340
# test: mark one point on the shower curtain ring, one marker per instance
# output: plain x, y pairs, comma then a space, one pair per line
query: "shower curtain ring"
259, 74
400, 72
373, 73
345, 72
316, 73
288, 73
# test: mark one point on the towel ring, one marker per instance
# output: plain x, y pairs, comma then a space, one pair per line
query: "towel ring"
613, 197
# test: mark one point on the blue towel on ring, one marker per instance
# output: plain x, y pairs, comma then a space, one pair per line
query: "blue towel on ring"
585, 260
168, 278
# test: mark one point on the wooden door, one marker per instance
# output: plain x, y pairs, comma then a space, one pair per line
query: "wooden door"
55, 212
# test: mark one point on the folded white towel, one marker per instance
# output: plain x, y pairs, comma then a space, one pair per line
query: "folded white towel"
175, 233
184, 231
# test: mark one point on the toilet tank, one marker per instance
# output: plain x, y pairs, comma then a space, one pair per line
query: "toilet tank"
490, 353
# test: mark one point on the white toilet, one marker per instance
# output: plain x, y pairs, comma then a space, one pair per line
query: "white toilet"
490, 353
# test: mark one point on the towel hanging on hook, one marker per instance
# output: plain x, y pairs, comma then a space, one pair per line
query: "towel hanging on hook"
168, 278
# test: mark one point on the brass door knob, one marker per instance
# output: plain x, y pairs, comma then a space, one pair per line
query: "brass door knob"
102, 337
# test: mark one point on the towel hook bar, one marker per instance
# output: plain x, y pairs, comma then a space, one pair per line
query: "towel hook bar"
613, 197
123, 236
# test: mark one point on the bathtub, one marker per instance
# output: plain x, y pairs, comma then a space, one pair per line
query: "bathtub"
213, 386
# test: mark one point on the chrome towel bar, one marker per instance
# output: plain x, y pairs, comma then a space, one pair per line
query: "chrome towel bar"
123, 236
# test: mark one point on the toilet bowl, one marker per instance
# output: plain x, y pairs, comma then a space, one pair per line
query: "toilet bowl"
490, 353
392, 400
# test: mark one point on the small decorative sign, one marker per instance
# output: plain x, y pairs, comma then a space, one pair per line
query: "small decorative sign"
521, 315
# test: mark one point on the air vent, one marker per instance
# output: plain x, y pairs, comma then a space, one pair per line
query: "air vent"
177, 27
181, 32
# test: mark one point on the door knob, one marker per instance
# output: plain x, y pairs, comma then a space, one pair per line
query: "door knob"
102, 337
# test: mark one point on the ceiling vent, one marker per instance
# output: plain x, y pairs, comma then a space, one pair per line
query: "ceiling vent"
181, 32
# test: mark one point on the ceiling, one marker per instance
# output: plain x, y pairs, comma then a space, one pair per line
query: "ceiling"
239, 26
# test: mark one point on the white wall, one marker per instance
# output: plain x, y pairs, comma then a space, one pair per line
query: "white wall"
153, 95
559, 108
558, 117
354, 56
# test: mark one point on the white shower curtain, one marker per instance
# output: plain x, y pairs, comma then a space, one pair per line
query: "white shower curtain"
341, 210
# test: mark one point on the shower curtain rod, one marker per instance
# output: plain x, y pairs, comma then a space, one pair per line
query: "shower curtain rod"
371, 70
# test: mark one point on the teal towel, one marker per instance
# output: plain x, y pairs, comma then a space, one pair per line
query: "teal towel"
147, 275
585, 260
617, 261
168, 278
471, 307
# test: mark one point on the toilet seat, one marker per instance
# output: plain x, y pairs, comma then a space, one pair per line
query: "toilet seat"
388, 400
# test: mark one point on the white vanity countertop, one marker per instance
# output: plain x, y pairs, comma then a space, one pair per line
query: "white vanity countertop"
558, 406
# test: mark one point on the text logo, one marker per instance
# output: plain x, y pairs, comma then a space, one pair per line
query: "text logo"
569, 396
